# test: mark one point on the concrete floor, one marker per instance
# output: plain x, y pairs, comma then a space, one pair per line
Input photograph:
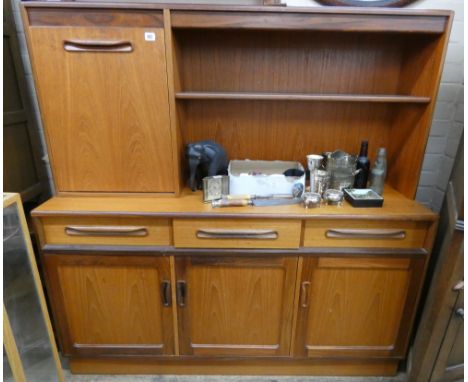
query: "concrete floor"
220, 378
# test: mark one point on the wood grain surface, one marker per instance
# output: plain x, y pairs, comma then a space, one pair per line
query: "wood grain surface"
293, 61
106, 114
350, 310
190, 205
62, 17
159, 231
315, 234
186, 231
191, 95
236, 306
110, 305
234, 366
346, 23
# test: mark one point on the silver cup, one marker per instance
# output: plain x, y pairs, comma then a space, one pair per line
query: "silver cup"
314, 161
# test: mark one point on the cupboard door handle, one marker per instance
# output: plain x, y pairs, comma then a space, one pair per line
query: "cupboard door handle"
97, 46
365, 234
214, 233
181, 293
460, 312
78, 230
305, 285
166, 293
459, 286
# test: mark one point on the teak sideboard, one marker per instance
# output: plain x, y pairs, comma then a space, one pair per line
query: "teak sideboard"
142, 276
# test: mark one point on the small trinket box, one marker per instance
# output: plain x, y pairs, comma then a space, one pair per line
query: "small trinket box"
363, 197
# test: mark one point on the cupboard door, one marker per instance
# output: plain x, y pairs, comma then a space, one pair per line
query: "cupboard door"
357, 307
103, 94
235, 306
111, 305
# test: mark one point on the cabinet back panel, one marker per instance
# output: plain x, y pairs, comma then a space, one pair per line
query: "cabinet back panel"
286, 130
105, 113
308, 62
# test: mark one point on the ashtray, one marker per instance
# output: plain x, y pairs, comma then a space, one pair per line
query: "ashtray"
363, 197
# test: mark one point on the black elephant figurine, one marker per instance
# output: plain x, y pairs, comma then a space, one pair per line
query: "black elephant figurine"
205, 158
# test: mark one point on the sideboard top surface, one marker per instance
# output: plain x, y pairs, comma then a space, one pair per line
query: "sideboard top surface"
190, 205
237, 8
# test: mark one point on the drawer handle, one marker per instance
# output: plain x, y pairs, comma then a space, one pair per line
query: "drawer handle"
305, 285
365, 234
181, 293
214, 233
97, 46
105, 231
166, 293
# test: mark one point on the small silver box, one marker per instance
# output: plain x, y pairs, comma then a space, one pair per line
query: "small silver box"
214, 187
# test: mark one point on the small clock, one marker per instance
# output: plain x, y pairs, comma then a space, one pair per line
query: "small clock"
214, 187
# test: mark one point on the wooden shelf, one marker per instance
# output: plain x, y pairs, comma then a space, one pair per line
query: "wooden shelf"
302, 97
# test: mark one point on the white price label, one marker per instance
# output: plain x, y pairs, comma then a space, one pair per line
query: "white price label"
150, 36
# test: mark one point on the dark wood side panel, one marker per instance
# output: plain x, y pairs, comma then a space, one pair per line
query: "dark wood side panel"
95, 17
291, 21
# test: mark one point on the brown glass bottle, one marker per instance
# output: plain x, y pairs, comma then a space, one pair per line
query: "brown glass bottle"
362, 164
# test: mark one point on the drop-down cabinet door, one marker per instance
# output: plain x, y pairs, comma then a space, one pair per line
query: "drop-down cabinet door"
357, 306
103, 95
111, 305
240, 306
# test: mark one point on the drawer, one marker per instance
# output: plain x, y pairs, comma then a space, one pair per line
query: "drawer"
106, 231
359, 233
236, 233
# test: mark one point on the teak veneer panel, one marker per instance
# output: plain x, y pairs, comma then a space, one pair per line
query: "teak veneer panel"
107, 306
295, 61
106, 114
230, 366
236, 306
88, 17
153, 231
355, 308
322, 22
187, 233
190, 205
316, 232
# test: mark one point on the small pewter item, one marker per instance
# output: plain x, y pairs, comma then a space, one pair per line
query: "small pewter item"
311, 200
319, 180
214, 187
297, 190
334, 197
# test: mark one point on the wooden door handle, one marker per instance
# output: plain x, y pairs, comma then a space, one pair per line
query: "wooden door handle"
305, 285
181, 292
365, 234
105, 231
166, 293
214, 233
98, 46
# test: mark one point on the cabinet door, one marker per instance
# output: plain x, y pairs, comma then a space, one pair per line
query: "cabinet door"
235, 306
111, 305
357, 307
104, 102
